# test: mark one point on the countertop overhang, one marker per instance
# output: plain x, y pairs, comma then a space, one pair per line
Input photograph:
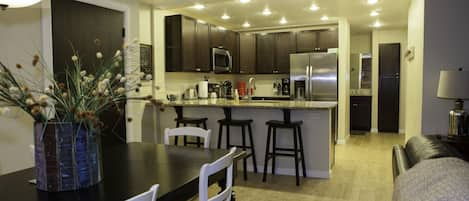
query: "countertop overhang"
279, 104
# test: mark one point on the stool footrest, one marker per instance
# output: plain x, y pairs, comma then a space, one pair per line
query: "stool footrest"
288, 149
241, 147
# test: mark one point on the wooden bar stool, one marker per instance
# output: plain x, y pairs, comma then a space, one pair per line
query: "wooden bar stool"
228, 121
288, 152
180, 119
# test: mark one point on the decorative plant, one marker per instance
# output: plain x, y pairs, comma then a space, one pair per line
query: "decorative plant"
79, 97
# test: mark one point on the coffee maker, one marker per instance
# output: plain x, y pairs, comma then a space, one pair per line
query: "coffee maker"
286, 86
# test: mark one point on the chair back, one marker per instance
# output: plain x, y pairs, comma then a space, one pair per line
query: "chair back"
188, 131
225, 162
150, 195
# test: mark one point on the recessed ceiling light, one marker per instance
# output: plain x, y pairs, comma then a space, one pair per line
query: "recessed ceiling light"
377, 24
283, 20
266, 12
324, 18
198, 6
246, 24
201, 21
314, 7
225, 16
244, 1
374, 13
221, 28
263, 34
371, 2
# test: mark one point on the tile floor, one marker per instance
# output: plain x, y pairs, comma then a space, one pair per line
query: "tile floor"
362, 172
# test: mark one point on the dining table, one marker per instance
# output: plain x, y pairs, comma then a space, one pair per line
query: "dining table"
128, 170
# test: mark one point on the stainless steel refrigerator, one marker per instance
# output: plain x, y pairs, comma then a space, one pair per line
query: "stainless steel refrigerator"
313, 76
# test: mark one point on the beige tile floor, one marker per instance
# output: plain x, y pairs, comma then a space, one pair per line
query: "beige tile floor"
362, 172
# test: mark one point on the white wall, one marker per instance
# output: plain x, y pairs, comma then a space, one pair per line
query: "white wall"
344, 81
383, 37
414, 80
20, 39
446, 44
360, 43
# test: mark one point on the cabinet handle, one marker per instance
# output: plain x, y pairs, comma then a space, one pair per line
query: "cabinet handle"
354, 105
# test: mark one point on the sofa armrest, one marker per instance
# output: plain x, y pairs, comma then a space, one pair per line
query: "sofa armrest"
400, 162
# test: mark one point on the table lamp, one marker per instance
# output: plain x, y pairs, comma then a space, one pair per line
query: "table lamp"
455, 85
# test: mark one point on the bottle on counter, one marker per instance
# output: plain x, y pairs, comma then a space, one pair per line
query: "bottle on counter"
236, 96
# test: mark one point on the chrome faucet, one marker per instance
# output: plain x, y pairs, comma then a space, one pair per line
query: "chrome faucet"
251, 84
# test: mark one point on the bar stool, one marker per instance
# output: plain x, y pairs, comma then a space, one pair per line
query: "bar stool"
180, 119
288, 152
228, 121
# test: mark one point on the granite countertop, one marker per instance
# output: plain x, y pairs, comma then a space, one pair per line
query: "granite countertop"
281, 104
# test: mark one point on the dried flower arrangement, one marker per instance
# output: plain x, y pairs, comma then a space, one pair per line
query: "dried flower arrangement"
80, 98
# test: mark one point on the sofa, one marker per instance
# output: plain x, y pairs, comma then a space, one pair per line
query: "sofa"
431, 168
420, 148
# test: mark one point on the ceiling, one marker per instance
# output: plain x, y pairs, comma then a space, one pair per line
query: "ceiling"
393, 13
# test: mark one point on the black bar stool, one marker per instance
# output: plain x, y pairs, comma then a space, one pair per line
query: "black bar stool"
180, 119
289, 152
228, 121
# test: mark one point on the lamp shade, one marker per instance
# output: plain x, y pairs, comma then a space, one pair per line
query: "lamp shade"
453, 84
18, 3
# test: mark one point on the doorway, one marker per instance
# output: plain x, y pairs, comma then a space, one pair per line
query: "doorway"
89, 28
389, 83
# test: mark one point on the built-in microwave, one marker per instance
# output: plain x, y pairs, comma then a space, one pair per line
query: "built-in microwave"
222, 61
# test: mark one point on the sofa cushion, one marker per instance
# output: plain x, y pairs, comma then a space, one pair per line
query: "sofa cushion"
420, 148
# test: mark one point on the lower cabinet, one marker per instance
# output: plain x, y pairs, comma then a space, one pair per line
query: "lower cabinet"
360, 113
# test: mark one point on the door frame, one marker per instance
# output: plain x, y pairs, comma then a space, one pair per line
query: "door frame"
47, 53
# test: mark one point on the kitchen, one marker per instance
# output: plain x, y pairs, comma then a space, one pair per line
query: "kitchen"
261, 64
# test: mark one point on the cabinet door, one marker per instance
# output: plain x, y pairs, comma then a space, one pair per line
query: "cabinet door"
285, 45
265, 53
360, 113
306, 41
188, 43
202, 43
216, 36
173, 40
328, 39
247, 53
231, 43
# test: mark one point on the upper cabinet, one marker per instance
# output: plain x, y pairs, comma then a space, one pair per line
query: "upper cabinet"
306, 41
231, 43
285, 44
328, 39
265, 53
273, 52
314, 40
247, 53
183, 37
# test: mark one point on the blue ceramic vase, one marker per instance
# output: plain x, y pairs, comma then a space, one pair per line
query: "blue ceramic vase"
67, 157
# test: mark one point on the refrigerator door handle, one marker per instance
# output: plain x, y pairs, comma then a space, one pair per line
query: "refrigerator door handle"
307, 94
310, 83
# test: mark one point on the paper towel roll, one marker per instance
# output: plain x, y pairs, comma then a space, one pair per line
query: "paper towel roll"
203, 89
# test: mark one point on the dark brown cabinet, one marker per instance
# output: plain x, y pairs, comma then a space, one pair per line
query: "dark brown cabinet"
187, 45
316, 40
231, 43
284, 46
328, 39
265, 53
306, 41
202, 47
360, 113
247, 53
273, 52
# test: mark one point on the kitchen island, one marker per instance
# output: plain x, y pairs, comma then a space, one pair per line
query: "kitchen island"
319, 127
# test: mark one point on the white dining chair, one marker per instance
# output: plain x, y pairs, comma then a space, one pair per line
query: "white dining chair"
188, 131
150, 195
212, 168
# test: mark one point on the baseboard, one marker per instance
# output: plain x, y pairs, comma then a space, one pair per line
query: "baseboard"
290, 171
341, 141
374, 130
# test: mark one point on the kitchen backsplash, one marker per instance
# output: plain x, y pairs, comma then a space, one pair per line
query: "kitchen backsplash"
177, 82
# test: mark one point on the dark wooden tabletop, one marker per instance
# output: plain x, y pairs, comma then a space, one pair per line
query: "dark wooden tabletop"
128, 170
